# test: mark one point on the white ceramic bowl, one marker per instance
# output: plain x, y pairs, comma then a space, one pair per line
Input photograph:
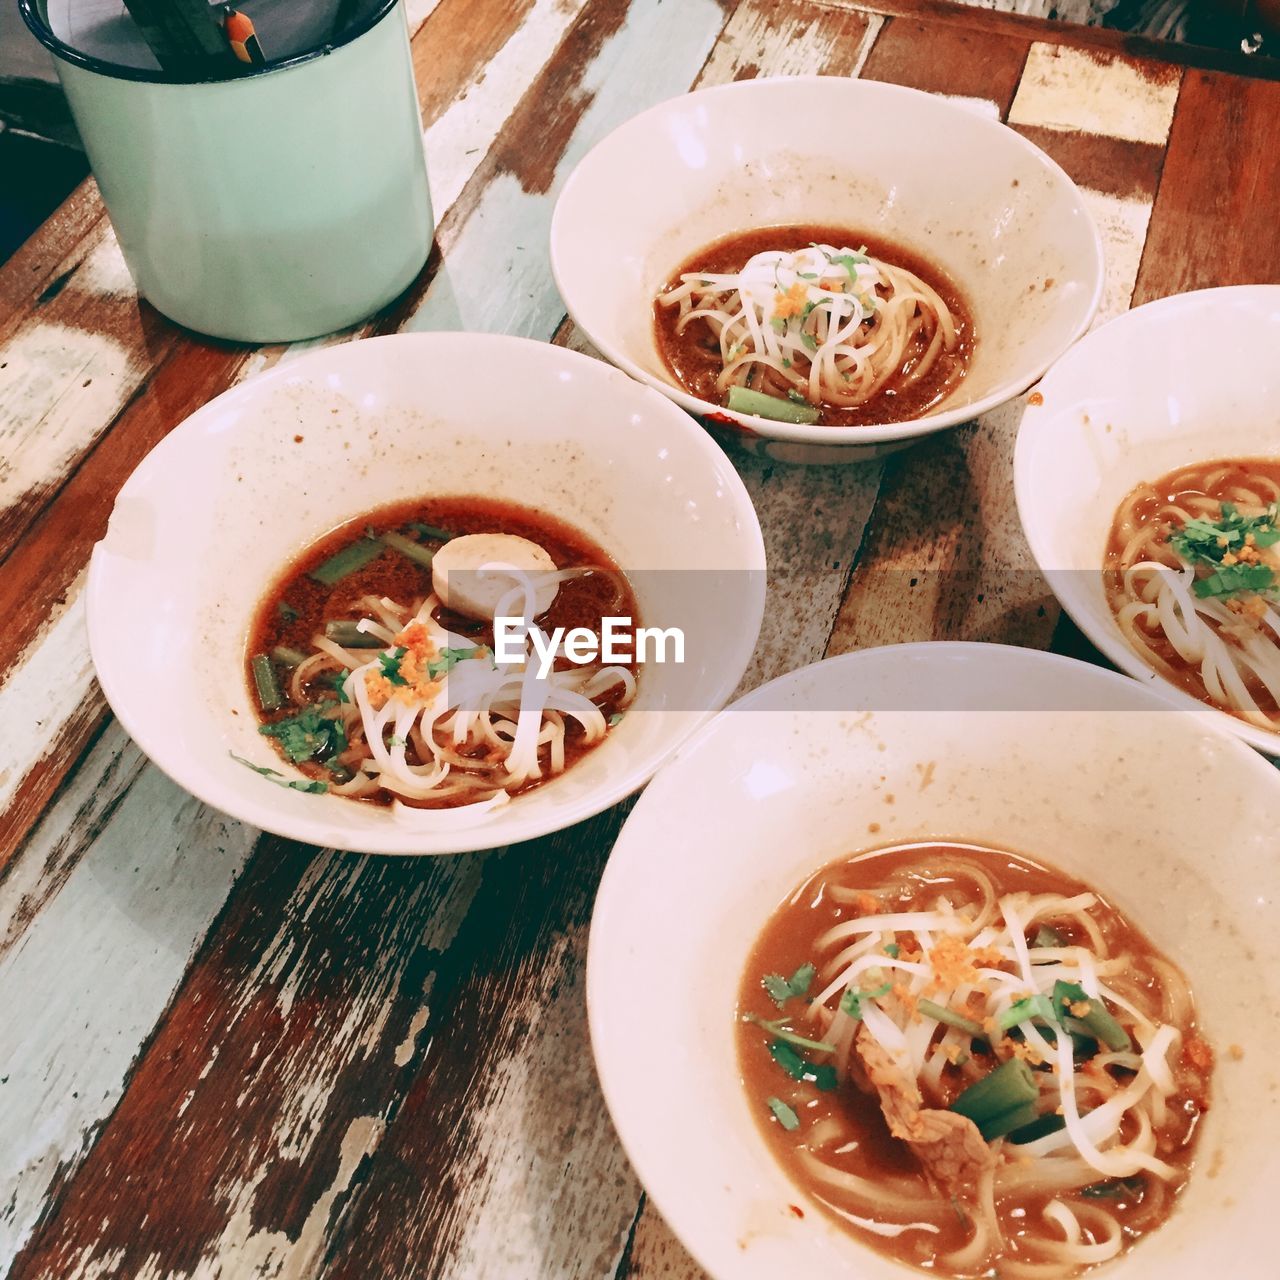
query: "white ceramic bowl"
968, 193
1182, 380
218, 509
1173, 820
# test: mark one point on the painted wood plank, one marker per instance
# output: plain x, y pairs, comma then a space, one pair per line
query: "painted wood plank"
66, 370
790, 39
977, 66
1214, 220
33, 267
1084, 92
979, 16
125, 874
615, 62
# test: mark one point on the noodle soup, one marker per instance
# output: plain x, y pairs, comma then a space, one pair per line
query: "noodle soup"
374, 666
1192, 575
814, 324
974, 1063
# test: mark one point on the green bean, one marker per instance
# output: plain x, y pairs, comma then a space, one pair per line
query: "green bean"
347, 634
433, 532
1097, 1020
267, 687
410, 549
287, 656
744, 400
1002, 1101
949, 1017
352, 557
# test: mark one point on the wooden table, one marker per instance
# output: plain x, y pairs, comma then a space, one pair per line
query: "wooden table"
225, 1055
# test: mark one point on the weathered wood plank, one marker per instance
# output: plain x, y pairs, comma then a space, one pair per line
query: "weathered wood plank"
1111, 141
1214, 220
939, 13
100, 920
614, 61
971, 64
31, 270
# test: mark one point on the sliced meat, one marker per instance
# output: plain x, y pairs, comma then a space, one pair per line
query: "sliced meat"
949, 1146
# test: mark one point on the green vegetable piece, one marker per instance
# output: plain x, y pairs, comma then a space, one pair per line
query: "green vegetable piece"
851, 1001
744, 400
798, 1068
411, 550
1233, 579
1041, 1127
1207, 542
390, 664
1097, 1021
432, 532
1003, 1095
616, 719
892, 950
265, 684
286, 611
782, 1031
783, 1114
1008, 1122
311, 735
345, 632
778, 988
949, 1017
782, 989
347, 561
338, 679
274, 775
1025, 1010
809, 341
449, 658
287, 656
850, 262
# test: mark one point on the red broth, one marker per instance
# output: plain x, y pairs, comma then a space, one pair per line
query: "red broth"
905, 879
297, 606
693, 357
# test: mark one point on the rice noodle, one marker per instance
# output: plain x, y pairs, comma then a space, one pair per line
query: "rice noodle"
1223, 648
950, 938
448, 753
831, 326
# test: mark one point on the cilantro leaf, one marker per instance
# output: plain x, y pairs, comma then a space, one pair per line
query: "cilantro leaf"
799, 1068
782, 989
809, 341
779, 324
339, 681
1235, 577
310, 735
390, 664
778, 987
784, 1115
449, 658
850, 262
851, 1001
274, 775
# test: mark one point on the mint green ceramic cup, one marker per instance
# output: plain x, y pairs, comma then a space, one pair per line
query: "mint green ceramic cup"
282, 204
